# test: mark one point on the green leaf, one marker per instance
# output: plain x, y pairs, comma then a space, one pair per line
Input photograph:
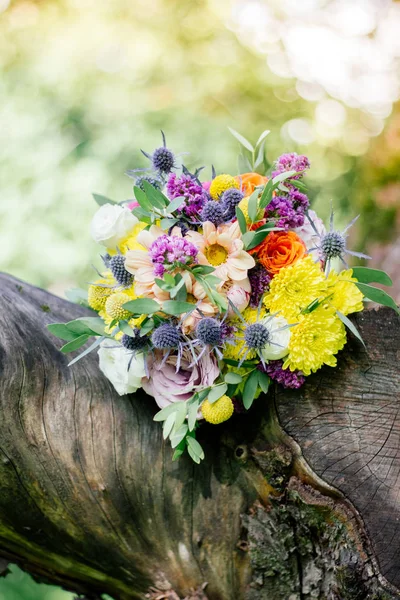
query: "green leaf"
95, 344
174, 204
217, 392
155, 197
260, 156
142, 215
142, 306
167, 223
173, 307
241, 220
350, 326
378, 296
263, 381
75, 344
253, 206
103, 199
248, 238
141, 197
193, 407
203, 269
193, 456
263, 136
179, 450
178, 436
180, 285
250, 389
61, 331
235, 363
241, 139
272, 185
87, 325
146, 327
244, 165
180, 416
166, 411
78, 296
194, 445
168, 425
203, 394
126, 328
233, 377
367, 275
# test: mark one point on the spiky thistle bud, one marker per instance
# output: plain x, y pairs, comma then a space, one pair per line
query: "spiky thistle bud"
213, 212
256, 336
333, 244
117, 268
165, 336
209, 332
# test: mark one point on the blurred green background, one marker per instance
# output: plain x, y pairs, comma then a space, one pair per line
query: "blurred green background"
85, 84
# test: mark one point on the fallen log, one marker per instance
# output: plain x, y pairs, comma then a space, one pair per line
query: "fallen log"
299, 499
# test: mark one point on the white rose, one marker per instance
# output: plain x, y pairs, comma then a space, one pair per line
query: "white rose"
110, 224
307, 233
278, 348
114, 362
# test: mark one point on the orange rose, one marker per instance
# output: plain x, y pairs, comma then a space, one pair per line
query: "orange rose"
280, 249
250, 181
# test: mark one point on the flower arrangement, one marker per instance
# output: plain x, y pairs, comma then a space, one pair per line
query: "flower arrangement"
212, 289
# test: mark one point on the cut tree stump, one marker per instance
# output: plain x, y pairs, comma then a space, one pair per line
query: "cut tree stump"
299, 499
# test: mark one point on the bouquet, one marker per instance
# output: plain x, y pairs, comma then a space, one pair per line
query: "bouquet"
211, 289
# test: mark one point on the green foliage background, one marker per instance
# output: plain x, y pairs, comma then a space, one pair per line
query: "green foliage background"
86, 84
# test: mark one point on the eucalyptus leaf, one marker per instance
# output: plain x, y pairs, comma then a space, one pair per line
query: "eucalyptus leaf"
75, 344
194, 445
155, 197
178, 436
192, 414
143, 200
244, 165
180, 416
167, 223
87, 325
61, 331
195, 458
248, 238
217, 392
203, 269
263, 136
250, 389
241, 220
168, 425
101, 200
92, 347
174, 204
126, 328
260, 156
241, 139
253, 206
78, 296
350, 326
142, 306
377, 295
142, 215
367, 275
263, 381
166, 411
173, 307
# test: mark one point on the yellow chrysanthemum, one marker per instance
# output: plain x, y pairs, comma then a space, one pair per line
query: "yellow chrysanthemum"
220, 184
244, 207
346, 298
129, 242
295, 287
236, 350
219, 411
97, 295
316, 339
114, 306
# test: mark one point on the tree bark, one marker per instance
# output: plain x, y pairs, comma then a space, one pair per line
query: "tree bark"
90, 499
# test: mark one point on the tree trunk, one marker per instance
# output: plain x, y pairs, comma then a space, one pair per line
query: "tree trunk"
90, 499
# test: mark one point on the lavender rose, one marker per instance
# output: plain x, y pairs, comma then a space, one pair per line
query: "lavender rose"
168, 386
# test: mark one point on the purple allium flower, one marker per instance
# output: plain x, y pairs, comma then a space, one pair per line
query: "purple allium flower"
259, 281
291, 162
229, 201
213, 212
170, 250
188, 187
287, 378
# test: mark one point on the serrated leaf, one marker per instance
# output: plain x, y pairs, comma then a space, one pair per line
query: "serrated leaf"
142, 306
92, 347
166, 411
241, 220
241, 139
168, 425
173, 307
263, 381
367, 275
350, 326
377, 295
233, 377
196, 448
250, 389
101, 200
217, 392
75, 344
61, 331
263, 136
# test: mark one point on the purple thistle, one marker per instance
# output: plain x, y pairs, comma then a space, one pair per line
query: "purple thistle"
259, 280
291, 162
287, 378
171, 251
188, 187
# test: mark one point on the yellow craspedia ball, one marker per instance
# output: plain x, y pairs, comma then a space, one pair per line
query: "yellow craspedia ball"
114, 306
244, 207
97, 294
220, 184
219, 411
